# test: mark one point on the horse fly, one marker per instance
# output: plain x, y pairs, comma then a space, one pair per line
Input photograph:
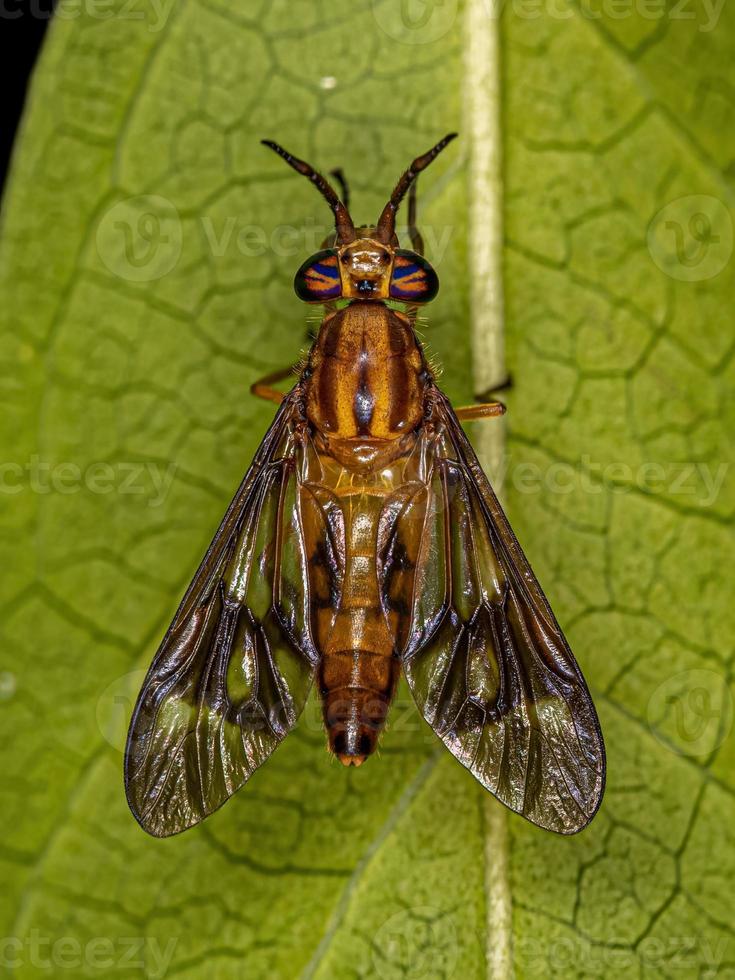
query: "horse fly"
365, 541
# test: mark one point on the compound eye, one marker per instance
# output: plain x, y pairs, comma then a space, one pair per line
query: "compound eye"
413, 279
318, 280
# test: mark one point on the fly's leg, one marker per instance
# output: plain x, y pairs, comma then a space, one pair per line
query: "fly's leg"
417, 241
503, 385
485, 410
262, 387
488, 410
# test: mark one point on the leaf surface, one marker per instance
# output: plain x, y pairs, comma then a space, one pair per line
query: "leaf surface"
148, 248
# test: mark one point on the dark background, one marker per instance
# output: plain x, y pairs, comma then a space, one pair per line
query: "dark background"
22, 28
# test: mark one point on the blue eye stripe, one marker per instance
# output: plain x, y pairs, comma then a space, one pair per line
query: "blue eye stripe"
319, 279
407, 270
331, 271
413, 280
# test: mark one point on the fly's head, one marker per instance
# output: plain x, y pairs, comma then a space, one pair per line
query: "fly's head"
365, 263
366, 270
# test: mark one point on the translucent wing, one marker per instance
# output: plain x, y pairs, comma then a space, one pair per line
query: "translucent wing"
233, 672
484, 656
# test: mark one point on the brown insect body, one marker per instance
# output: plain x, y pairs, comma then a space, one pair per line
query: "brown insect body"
364, 391
364, 542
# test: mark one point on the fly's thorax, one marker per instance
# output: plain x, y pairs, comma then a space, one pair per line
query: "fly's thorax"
365, 383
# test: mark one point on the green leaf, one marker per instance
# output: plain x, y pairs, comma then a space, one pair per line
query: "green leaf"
148, 248
621, 352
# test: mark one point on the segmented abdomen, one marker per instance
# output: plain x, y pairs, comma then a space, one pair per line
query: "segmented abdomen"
359, 667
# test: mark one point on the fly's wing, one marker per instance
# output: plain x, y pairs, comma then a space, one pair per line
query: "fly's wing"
233, 672
484, 656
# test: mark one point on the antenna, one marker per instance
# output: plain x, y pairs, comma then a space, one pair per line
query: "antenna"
386, 226
342, 221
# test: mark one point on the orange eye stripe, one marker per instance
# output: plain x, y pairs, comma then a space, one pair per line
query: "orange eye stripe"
413, 279
318, 279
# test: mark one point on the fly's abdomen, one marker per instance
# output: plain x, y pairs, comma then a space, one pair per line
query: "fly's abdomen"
359, 668
357, 689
